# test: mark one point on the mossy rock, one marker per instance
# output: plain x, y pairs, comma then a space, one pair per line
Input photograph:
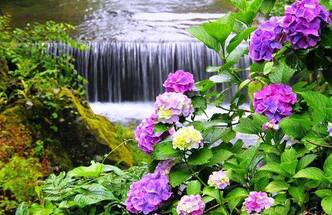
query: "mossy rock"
94, 129
15, 136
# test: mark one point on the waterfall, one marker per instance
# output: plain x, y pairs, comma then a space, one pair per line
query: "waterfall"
135, 71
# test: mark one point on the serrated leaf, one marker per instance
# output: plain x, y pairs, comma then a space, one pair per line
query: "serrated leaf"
298, 194
194, 187
313, 173
327, 205
200, 157
276, 186
235, 196
281, 73
201, 34
328, 166
296, 126
178, 175
323, 193
93, 171
164, 151
221, 78
305, 161
243, 35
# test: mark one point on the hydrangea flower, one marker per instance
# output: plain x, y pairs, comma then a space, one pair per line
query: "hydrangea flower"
256, 202
303, 22
179, 82
171, 106
219, 180
148, 194
270, 125
191, 205
329, 128
266, 40
275, 101
164, 167
187, 138
145, 134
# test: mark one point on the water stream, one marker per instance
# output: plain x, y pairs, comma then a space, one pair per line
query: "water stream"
133, 45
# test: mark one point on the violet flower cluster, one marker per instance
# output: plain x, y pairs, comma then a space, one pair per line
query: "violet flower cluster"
149, 193
171, 106
301, 26
256, 202
179, 82
266, 40
191, 205
303, 22
145, 134
275, 101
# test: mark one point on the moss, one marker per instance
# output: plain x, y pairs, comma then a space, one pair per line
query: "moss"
15, 136
103, 130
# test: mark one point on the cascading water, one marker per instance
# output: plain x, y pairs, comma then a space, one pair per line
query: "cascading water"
135, 71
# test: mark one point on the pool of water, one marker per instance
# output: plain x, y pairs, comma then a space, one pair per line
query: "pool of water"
125, 20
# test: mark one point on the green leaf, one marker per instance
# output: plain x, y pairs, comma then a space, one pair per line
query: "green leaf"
273, 167
251, 125
313, 173
320, 105
178, 175
305, 161
212, 192
296, 126
199, 103
235, 196
289, 161
243, 35
221, 78
22, 209
161, 128
93, 171
220, 29
214, 134
92, 194
327, 205
328, 166
204, 85
200, 157
281, 73
201, 34
220, 155
267, 6
323, 193
298, 194
164, 151
194, 187
276, 186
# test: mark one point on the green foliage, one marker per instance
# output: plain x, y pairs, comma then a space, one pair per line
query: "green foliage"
96, 189
20, 177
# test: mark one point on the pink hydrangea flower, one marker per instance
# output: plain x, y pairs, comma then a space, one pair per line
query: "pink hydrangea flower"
256, 202
275, 101
171, 106
179, 82
145, 134
191, 205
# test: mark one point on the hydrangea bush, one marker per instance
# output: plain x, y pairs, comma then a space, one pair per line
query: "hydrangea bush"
266, 150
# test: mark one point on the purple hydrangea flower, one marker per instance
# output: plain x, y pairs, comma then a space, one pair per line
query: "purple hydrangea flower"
266, 40
275, 101
145, 134
256, 202
219, 180
191, 205
164, 167
329, 128
171, 106
303, 22
179, 82
148, 194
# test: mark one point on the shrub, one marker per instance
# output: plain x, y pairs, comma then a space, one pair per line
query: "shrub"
270, 157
